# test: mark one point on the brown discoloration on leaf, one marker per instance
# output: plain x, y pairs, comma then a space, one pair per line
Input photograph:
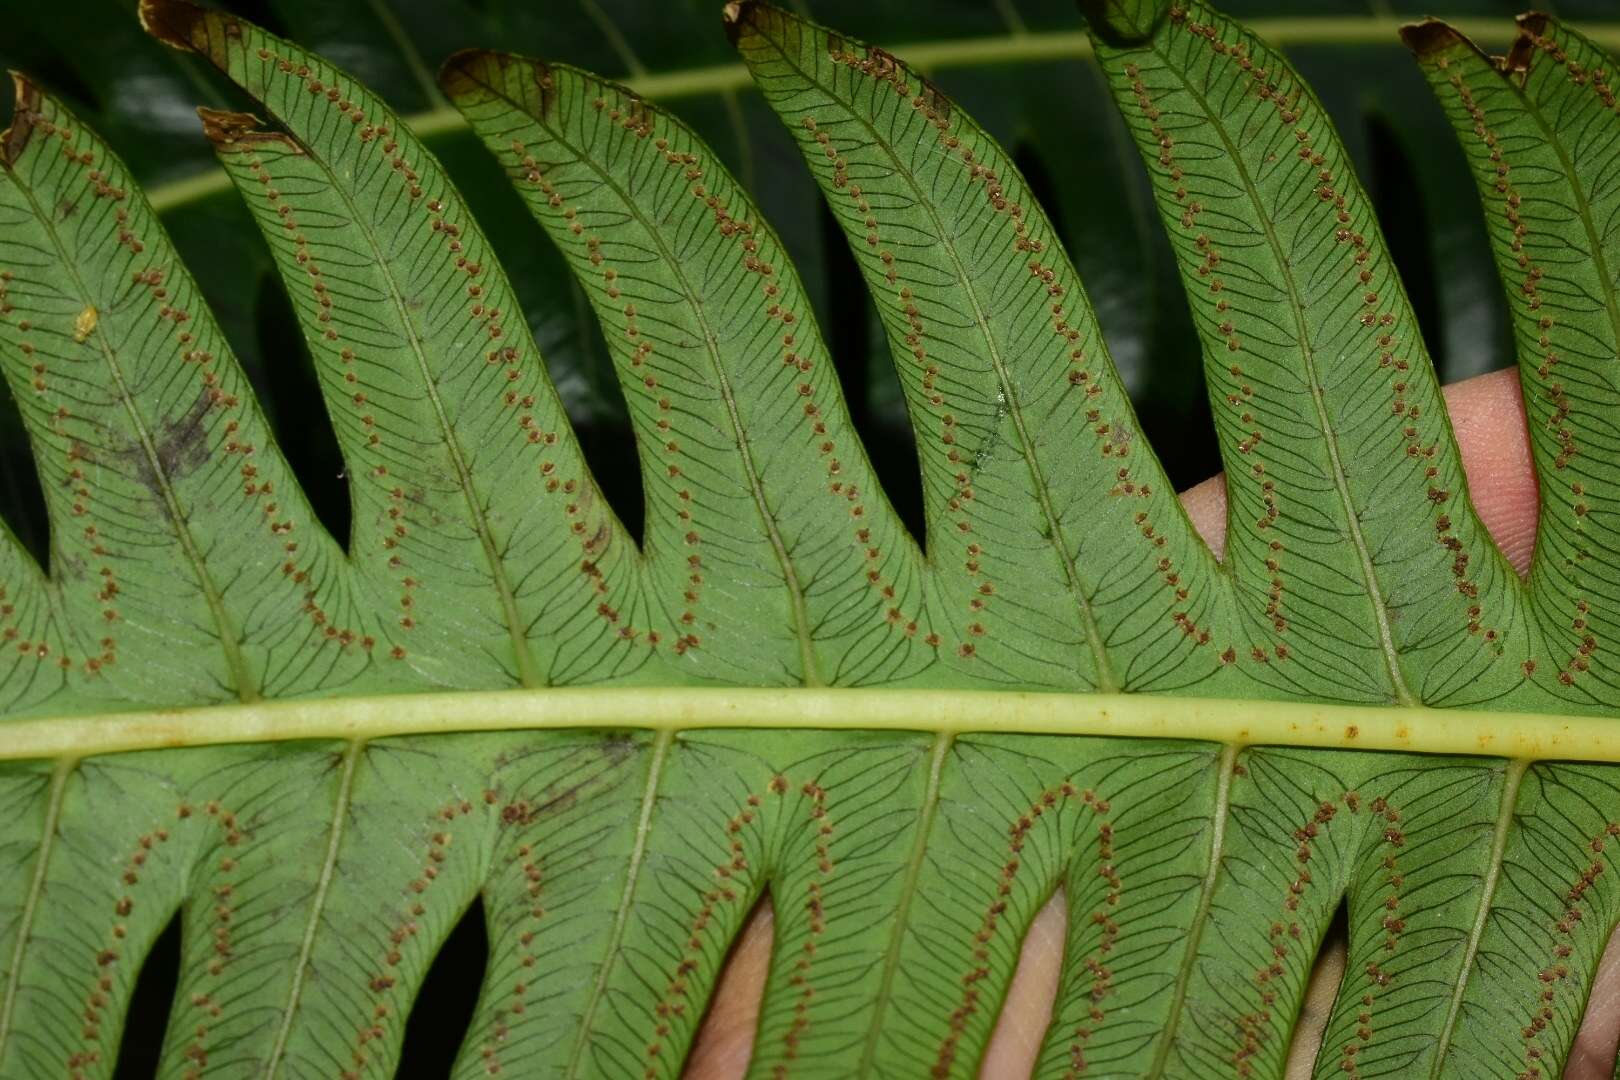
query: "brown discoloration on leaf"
176, 23
463, 73
637, 113
181, 444
884, 63
935, 103
1432, 40
185, 26
172, 22
15, 137
736, 16
1517, 60
1430, 37
600, 773
524, 812
473, 71
237, 131
1532, 25
545, 85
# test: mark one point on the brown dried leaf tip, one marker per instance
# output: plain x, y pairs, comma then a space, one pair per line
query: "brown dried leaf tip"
1534, 23
735, 15
173, 22
1430, 37
470, 72
15, 137
1532, 26
465, 71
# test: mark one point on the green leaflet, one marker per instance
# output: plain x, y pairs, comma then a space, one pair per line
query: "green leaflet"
539, 118
615, 867
1124, 834
131, 839
1409, 841
280, 858
1002, 364
1320, 385
142, 426
411, 321
1540, 137
319, 851
737, 408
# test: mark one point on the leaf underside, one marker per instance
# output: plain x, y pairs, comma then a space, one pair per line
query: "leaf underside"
316, 879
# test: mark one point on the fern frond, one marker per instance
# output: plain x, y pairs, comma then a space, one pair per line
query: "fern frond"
321, 755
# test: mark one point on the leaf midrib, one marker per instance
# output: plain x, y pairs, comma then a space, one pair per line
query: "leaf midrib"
528, 674
621, 915
317, 907
1307, 349
1206, 895
902, 910
1246, 722
739, 433
36, 889
1505, 814
1106, 681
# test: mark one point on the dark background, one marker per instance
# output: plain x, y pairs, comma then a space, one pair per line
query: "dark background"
1053, 116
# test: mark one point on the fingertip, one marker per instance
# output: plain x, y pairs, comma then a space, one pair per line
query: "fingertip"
724, 1044
1206, 506
1487, 414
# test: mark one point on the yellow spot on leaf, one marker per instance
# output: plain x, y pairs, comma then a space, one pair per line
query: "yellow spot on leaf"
84, 325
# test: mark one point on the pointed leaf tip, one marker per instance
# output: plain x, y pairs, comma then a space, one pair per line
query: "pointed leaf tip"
468, 71
460, 72
1533, 22
1124, 22
14, 138
172, 22
735, 15
1429, 37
